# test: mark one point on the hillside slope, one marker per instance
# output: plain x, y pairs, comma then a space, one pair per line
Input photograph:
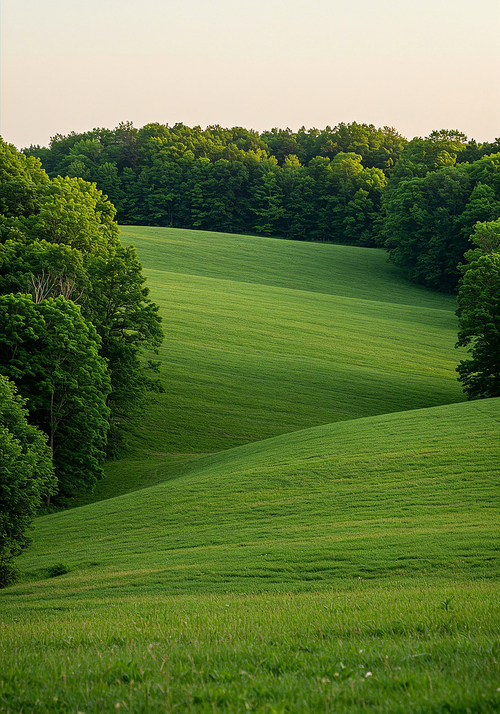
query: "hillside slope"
414, 493
266, 336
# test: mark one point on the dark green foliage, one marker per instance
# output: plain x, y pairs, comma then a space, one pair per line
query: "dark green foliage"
427, 219
52, 354
479, 313
321, 185
352, 184
421, 221
127, 322
59, 243
233, 180
26, 475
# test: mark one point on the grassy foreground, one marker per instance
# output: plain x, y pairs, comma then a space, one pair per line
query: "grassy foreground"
388, 525
401, 649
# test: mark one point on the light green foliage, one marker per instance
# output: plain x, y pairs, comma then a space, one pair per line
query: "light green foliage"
76, 213
479, 313
26, 475
14, 165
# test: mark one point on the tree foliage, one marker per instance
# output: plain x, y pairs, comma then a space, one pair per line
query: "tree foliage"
127, 323
52, 354
75, 315
235, 180
479, 313
427, 220
26, 475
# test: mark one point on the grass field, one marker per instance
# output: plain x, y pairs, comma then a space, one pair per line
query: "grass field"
306, 521
265, 337
408, 650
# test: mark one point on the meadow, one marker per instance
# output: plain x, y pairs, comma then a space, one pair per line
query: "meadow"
329, 333
307, 519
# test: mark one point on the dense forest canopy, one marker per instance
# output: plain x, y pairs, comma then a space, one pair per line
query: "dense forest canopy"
74, 315
353, 183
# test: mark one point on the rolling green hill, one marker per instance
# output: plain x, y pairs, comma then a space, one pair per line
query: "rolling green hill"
306, 521
402, 494
265, 337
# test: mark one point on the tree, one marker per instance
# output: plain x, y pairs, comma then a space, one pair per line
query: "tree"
42, 269
59, 243
127, 322
74, 212
26, 475
423, 226
479, 313
52, 355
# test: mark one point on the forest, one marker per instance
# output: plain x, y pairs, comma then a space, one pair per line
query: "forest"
354, 184
75, 318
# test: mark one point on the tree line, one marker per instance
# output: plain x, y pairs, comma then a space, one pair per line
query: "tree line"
75, 319
352, 184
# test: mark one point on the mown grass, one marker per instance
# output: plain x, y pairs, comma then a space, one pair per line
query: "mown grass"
401, 649
349, 566
265, 337
395, 495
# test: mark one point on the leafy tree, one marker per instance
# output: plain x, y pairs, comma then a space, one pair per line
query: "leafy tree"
26, 475
74, 212
51, 354
127, 322
427, 220
15, 165
267, 198
59, 243
281, 143
420, 156
479, 313
42, 269
225, 179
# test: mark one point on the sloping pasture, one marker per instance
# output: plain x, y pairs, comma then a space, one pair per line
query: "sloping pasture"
265, 337
408, 494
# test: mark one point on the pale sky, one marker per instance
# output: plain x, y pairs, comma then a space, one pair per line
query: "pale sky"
416, 65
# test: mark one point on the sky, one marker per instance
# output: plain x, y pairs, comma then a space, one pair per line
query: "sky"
416, 65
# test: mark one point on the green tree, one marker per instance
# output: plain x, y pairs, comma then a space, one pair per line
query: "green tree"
422, 226
128, 323
61, 240
479, 313
74, 212
421, 156
52, 355
42, 269
26, 475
